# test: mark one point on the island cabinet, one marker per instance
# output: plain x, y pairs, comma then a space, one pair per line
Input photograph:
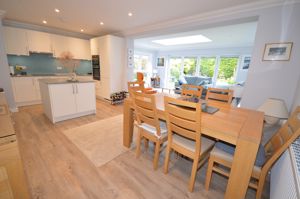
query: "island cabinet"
65, 100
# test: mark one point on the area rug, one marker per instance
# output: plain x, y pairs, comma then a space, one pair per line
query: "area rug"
100, 141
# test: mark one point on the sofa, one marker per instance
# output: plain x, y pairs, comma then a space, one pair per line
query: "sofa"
193, 80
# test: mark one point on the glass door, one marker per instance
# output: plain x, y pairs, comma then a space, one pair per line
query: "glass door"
227, 71
174, 71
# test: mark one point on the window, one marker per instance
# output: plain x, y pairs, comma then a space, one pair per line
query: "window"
175, 71
207, 66
227, 70
143, 63
189, 65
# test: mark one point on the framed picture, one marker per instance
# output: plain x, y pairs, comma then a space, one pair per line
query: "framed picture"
130, 58
246, 62
277, 51
160, 61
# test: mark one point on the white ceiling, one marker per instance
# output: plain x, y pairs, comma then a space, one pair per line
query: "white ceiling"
87, 14
238, 35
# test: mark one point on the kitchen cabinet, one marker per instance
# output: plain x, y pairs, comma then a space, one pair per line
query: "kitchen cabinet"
62, 99
39, 42
65, 100
80, 48
24, 89
111, 50
16, 42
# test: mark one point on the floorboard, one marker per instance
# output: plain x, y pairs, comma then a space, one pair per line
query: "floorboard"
55, 168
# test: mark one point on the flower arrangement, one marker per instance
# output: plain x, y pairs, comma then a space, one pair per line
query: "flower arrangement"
67, 61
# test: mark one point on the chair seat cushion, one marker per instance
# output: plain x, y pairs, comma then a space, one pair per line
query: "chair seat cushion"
151, 129
229, 157
229, 149
190, 144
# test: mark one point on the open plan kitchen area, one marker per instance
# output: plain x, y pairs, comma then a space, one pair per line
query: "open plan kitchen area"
140, 99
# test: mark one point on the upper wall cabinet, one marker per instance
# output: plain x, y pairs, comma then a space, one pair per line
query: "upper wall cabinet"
94, 46
16, 42
80, 48
39, 41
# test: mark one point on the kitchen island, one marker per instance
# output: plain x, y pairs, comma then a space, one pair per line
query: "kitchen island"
64, 100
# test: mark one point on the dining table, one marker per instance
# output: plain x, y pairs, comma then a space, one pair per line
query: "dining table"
241, 127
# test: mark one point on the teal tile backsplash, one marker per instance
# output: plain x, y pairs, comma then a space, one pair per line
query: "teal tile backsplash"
45, 64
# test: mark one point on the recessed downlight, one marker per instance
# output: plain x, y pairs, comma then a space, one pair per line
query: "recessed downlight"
56, 10
101, 23
81, 30
44, 22
130, 14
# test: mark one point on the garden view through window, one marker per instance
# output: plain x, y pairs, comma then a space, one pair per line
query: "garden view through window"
224, 74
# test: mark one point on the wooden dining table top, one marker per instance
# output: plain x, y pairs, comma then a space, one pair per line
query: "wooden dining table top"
226, 124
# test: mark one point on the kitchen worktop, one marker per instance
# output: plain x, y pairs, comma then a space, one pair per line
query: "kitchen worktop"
63, 81
42, 75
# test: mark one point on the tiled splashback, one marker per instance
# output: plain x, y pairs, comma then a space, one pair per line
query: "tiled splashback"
45, 64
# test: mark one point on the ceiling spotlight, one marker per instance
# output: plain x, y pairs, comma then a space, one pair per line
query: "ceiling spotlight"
56, 10
81, 30
130, 14
101, 23
44, 22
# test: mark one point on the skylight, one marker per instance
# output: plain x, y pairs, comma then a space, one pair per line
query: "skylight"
183, 40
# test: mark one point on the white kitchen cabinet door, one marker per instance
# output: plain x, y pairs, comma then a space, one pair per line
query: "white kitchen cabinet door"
80, 48
62, 99
39, 41
94, 43
25, 90
16, 42
85, 97
60, 44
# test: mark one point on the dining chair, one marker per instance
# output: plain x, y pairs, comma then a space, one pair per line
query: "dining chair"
191, 90
149, 126
184, 134
137, 86
273, 149
218, 94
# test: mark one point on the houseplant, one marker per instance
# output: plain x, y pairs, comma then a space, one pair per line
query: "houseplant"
67, 61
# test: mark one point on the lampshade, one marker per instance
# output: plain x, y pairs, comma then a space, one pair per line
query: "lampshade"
274, 108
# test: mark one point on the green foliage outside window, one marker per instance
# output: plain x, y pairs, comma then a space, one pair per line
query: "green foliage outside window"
207, 66
227, 69
189, 66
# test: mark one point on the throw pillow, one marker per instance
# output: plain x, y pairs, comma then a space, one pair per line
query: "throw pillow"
182, 80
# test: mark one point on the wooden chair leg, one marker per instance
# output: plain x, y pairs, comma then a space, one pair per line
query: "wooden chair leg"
260, 186
138, 143
193, 174
146, 143
167, 159
209, 173
156, 155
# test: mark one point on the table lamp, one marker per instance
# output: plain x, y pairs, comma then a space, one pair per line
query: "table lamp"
274, 109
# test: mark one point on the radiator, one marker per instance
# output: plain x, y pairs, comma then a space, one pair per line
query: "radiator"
285, 175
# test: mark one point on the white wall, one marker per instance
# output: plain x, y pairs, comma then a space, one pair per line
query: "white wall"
297, 97
277, 79
5, 82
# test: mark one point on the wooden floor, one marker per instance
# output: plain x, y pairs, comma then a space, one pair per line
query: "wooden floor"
55, 168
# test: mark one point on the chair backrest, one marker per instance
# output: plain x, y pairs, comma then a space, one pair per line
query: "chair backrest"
281, 140
139, 76
183, 118
191, 90
145, 109
218, 94
135, 86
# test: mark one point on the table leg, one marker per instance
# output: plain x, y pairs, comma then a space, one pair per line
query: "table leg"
243, 162
127, 124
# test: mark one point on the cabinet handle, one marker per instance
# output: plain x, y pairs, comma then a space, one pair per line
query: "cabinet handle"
76, 89
73, 88
32, 82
